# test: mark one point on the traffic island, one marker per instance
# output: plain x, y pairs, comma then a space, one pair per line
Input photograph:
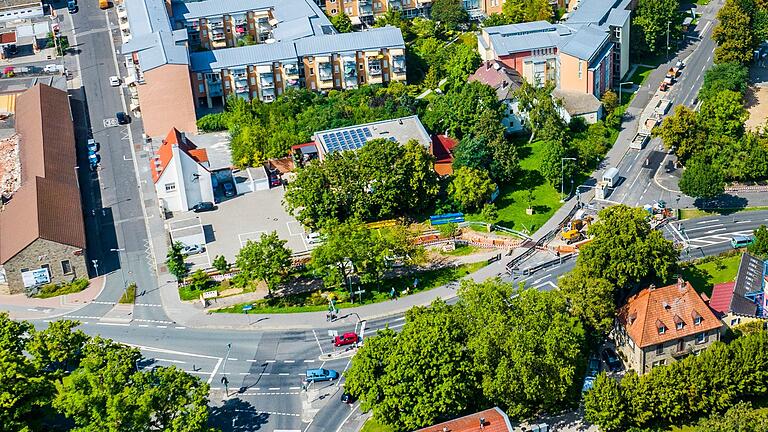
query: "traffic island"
338, 354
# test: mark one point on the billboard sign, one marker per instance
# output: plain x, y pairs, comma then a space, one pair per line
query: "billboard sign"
36, 277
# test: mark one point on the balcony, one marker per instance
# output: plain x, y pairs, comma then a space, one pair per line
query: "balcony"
374, 66
268, 95
216, 24
398, 64
325, 71
291, 69
266, 81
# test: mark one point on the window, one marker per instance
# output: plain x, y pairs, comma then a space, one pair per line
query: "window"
201, 88
313, 85
661, 362
662, 329
333, 11
680, 325
199, 77
386, 76
697, 320
47, 267
734, 321
580, 68
66, 267
253, 80
701, 338
312, 71
680, 345
170, 187
659, 349
24, 270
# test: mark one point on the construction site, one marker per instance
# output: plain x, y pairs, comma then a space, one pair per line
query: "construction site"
10, 167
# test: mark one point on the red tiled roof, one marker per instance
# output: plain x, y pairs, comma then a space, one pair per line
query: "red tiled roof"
165, 153
722, 294
495, 74
495, 421
8, 38
442, 148
646, 311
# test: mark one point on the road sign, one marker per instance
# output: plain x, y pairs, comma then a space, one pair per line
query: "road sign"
210, 294
246, 308
360, 291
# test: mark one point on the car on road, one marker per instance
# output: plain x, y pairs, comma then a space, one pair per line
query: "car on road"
229, 189
611, 360
72, 6
741, 241
93, 146
345, 339
321, 374
203, 207
347, 398
192, 249
94, 159
122, 118
114, 81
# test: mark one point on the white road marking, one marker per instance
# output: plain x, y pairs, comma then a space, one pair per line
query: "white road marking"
745, 221
293, 388
705, 227
232, 359
162, 326
253, 361
179, 328
545, 284
143, 325
264, 374
274, 388
288, 361
215, 369
113, 324
540, 279
708, 221
269, 361
309, 361
243, 373
283, 374
170, 361
716, 230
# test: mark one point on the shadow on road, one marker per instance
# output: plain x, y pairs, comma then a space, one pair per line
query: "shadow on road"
237, 415
725, 204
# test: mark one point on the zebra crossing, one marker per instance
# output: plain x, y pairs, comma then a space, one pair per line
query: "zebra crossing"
714, 239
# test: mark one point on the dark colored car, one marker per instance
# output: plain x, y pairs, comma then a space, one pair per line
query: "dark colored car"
345, 339
72, 6
274, 181
611, 360
347, 398
203, 207
229, 190
122, 118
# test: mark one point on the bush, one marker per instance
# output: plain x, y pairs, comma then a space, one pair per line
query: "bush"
53, 290
199, 281
129, 296
212, 122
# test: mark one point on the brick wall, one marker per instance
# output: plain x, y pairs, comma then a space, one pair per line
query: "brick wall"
42, 252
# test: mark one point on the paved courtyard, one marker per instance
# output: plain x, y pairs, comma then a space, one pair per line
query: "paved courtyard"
243, 218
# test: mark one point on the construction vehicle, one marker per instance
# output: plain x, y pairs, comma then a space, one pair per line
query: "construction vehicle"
658, 213
573, 231
639, 141
572, 236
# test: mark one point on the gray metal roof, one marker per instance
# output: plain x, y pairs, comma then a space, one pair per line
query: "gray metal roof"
600, 12
385, 37
153, 38
521, 28
586, 43
514, 38
206, 61
748, 279
294, 29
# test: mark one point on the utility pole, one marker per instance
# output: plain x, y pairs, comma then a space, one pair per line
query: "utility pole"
562, 177
668, 23
120, 263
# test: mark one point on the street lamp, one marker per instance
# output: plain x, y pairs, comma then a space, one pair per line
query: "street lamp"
562, 177
668, 23
96, 266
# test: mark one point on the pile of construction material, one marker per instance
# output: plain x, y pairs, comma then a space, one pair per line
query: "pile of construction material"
10, 166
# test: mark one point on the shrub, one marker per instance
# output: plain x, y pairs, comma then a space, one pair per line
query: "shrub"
53, 290
212, 122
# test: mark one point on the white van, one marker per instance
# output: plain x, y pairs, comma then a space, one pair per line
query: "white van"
313, 238
611, 177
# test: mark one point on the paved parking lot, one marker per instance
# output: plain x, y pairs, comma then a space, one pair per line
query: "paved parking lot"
244, 218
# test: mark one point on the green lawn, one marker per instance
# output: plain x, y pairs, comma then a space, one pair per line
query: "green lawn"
512, 203
640, 75
129, 296
703, 276
462, 250
302, 302
697, 213
373, 426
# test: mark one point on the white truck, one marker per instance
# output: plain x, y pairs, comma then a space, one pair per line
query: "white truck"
639, 141
611, 177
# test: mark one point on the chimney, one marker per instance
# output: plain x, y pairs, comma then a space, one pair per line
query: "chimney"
680, 283
482, 423
504, 84
652, 287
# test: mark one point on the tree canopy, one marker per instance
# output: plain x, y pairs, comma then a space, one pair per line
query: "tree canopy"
450, 13
342, 23
470, 188
731, 76
266, 259
736, 32
381, 180
650, 23
175, 261
702, 180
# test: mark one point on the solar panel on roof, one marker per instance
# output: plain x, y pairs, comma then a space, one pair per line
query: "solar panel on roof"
367, 132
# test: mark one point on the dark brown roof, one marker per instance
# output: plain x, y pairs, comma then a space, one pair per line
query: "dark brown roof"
47, 205
495, 421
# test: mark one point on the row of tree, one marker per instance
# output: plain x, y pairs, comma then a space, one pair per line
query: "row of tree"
683, 391
742, 26
712, 142
61, 379
498, 346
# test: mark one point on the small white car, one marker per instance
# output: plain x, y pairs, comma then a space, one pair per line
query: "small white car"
192, 249
314, 238
114, 81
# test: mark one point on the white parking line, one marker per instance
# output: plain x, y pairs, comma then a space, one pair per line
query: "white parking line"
244, 237
170, 361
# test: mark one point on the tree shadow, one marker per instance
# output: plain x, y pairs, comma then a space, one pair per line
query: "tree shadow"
237, 415
701, 279
725, 204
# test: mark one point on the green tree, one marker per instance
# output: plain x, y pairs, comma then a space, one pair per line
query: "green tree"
107, 393
220, 263
470, 188
740, 417
518, 11
526, 347
267, 259
731, 76
392, 17
544, 120
760, 245
57, 348
175, 261
625, 249
457, 111
450, 13
429, 373
497, 19
651, 18
702, 180
472, 152
364, 376
553, 167
342, 23
591, 299
24, 393
724, 114
462, 62
605, 404
490, 213
199, 280
734, 32
682, 133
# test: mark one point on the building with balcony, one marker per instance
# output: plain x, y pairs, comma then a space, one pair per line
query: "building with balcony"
360, 11
265, 71
660, 325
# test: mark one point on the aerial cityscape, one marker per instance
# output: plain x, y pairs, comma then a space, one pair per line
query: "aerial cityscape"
384, 215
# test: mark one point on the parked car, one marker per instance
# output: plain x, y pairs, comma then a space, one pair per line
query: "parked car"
93, 146
274, 181
94, 159
611, 360
122, 118
593, 368
72, 6
345, 339
347, 398
229, 189
203, 207
192, 249
321, 374
314, 238
114, 81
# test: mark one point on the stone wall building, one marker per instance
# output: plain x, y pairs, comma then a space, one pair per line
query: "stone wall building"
42, 236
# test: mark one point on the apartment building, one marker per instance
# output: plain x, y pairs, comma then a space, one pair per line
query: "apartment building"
184, 55
658, 326
321, 63
360, 11
588, 52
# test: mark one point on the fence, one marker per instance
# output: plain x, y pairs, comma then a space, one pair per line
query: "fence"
513, 264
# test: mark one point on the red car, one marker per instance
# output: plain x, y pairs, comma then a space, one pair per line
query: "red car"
345, 339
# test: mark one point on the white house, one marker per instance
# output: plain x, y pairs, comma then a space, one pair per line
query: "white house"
181, 173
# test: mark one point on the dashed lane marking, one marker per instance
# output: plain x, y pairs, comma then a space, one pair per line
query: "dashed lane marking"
274, 388
288, 361
268, 393
267, 412
283, 374
113, 324
309, 361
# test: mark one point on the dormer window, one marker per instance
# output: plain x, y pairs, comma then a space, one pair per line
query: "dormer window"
680, 325
697, 320
661, 327
662, 330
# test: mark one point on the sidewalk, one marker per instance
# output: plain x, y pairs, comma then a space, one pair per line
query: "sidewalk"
22, 307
